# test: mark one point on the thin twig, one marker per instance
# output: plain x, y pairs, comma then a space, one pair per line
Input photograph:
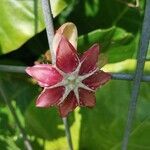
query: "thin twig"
25, 139
143, 47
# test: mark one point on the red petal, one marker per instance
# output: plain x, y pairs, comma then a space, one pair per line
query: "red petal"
49, 97
87, 98
66, 59
97, 79
68, 105
89, 58
45, 74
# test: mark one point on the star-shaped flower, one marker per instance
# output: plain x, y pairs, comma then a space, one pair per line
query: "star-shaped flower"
72, 80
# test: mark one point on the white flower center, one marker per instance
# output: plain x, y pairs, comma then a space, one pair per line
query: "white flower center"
72, 82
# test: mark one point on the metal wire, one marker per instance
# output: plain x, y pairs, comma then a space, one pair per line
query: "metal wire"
115, 76
50, 35
49, 25
143, 47
13, 69
130, 77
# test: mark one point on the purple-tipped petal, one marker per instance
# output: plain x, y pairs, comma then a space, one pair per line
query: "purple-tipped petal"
68, 105
87, 98
66, 56
45, 74
50, 97
97, 79
89, 59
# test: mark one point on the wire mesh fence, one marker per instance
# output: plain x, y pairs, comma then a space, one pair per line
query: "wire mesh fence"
137, 77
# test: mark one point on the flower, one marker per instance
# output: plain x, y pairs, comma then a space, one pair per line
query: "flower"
72, 80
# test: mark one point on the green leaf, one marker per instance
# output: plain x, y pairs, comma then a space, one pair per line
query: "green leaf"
43, 123
57, 6
105, 13
115, 42
103, 127
21, 20
128, 65
20, 92
7, 143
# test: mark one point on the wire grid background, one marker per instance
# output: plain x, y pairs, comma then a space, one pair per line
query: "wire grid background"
137, 77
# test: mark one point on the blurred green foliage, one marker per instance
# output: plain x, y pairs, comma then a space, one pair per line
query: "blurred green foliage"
116, 26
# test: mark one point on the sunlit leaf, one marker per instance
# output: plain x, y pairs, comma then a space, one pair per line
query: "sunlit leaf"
115, 42
22, 19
